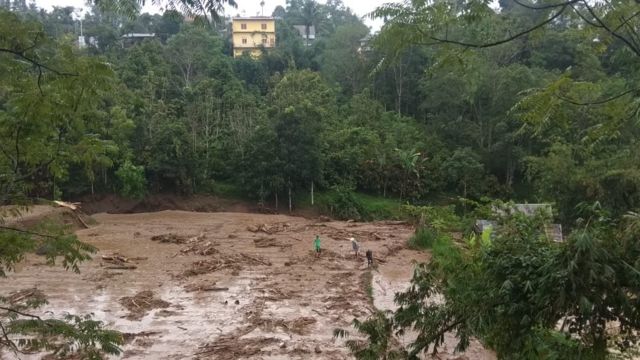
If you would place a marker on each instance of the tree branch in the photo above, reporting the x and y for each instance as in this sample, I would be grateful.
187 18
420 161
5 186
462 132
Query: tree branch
9 228
584 18
503 41
8 341
36 63
22 313
626 21
545 7
597 102
635 49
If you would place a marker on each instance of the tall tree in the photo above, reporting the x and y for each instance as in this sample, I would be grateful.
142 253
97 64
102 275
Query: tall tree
47 93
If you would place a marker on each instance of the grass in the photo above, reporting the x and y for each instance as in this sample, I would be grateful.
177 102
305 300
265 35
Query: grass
379 207
424 238
369 207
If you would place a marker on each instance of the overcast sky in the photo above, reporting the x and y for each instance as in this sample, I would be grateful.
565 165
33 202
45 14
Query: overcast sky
245 7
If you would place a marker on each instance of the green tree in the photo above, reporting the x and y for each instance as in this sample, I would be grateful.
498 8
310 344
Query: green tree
46 95
132 180
554 300
302 106
463 169
342 63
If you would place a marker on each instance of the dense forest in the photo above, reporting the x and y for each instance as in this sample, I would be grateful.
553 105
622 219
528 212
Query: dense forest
452 102
381 115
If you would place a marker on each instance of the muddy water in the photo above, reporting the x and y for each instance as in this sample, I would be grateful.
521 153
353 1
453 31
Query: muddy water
393 277
273 299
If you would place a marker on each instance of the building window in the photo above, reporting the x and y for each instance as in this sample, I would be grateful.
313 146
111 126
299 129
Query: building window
273 41
244 40
264 26
264 41
243 26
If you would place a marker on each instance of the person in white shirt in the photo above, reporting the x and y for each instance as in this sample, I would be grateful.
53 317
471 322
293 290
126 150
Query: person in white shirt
355 246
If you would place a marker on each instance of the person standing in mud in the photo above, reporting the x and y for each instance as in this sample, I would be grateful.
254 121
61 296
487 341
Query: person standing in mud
355 246
369 257
316 245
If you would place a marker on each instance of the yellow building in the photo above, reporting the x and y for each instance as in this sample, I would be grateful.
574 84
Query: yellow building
253 34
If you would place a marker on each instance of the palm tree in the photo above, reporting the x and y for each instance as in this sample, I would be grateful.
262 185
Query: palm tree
310 16
409 162
209 9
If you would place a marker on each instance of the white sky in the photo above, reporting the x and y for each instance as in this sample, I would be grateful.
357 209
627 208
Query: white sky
245 7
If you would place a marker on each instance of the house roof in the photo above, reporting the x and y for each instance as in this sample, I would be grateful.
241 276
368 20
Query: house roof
138 35
528 209
253 18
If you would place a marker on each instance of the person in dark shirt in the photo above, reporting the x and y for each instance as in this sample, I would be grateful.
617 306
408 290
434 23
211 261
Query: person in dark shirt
369 258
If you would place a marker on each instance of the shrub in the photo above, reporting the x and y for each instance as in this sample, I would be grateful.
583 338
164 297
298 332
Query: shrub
441 218
423 238
343 204
133 183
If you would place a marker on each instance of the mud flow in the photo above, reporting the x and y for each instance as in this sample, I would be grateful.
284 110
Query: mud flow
187 285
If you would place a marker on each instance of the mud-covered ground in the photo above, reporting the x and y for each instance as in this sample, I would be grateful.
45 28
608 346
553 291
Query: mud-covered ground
227 285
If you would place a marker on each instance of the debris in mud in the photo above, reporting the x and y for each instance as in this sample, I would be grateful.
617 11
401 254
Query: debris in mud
170 238
102 276
129 337
393 249
231 347
360 235
269 228
139 304
221 262
30 296
264 242
119 262
121 267
345 300
276 294
341 280
205 249
166 313
204 287
301 325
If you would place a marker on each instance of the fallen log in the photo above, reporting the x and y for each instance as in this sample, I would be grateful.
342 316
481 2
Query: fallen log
214 289
72 206
122 267
263 262
116 258
380 260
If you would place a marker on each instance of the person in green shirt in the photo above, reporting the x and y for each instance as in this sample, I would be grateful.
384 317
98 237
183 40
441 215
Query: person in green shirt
316 245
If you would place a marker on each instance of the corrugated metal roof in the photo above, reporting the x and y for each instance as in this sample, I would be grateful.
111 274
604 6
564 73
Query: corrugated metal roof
138 35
